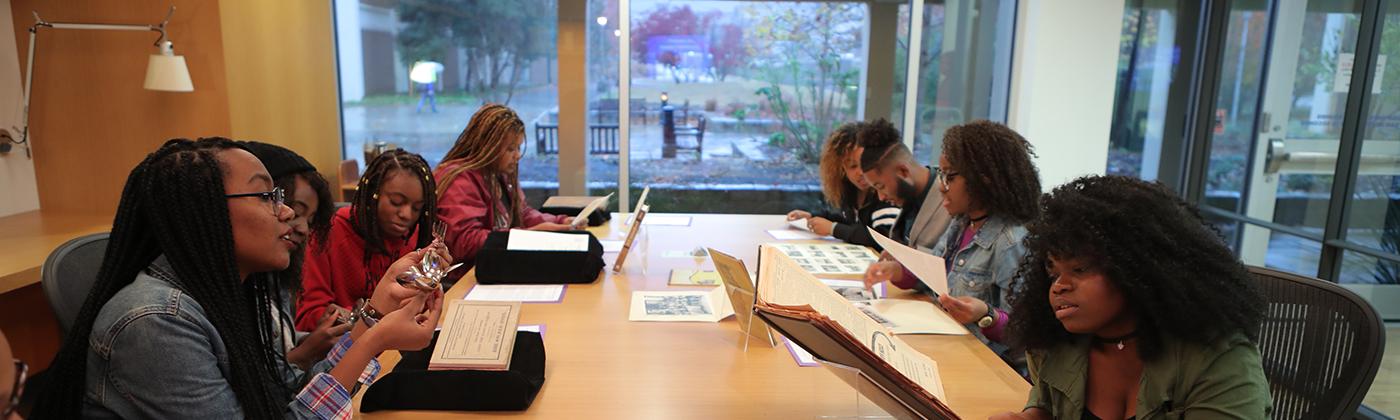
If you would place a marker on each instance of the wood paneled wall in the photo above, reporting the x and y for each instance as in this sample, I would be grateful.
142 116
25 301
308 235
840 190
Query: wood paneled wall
90 119
280 61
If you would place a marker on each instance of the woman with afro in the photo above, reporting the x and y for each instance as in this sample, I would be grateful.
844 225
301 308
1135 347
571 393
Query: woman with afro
1132 307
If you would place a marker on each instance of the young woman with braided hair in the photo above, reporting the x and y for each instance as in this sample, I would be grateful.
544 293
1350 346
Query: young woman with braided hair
479 186
392 214
176 325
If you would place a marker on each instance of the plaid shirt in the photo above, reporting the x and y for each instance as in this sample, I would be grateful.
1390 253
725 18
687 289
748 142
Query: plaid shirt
323 397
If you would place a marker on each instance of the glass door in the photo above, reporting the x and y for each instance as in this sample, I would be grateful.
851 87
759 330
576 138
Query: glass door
1283 178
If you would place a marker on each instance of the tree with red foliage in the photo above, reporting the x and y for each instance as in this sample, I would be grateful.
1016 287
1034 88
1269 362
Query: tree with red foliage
668 20
728 51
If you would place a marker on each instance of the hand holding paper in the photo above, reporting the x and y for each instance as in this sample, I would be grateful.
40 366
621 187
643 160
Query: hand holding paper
928 268
581 221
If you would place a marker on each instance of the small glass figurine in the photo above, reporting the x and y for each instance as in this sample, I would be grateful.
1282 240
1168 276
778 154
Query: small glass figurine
428 273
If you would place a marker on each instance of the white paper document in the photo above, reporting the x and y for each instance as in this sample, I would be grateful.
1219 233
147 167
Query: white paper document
800 224
800 355
535 328
904 316
581 221
793 235
654 219
927 267
529 240
528 293
612 245
680 306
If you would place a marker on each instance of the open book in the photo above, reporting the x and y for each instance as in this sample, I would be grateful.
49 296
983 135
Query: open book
821 321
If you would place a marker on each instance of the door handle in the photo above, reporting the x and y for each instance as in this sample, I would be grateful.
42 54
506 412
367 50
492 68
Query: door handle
1274 156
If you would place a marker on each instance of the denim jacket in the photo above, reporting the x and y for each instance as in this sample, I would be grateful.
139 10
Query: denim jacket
154 354
985 270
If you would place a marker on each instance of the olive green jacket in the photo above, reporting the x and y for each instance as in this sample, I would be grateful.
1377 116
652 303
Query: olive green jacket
1221 380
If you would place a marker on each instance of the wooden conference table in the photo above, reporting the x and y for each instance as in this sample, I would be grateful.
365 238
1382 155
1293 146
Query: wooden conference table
599 365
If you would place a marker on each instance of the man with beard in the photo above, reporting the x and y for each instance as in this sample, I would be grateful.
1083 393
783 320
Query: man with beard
900 180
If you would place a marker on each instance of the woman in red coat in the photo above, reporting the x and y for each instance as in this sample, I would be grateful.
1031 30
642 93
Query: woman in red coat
478 186
391 216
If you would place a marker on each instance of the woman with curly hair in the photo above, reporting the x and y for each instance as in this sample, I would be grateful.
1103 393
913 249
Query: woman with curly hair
845 188
990 187
1132 307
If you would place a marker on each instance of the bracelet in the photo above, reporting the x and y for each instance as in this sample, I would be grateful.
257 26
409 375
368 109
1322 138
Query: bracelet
365 312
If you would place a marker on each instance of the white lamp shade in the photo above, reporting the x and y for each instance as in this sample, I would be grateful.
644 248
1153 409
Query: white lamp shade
167 72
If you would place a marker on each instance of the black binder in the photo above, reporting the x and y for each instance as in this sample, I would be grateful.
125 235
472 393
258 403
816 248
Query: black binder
411 386
497 265
831 344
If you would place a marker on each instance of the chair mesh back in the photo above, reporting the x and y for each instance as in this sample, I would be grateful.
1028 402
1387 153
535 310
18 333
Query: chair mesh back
1321 345
68 275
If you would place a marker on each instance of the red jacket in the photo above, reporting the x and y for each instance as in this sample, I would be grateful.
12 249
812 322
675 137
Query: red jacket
337 273
463 208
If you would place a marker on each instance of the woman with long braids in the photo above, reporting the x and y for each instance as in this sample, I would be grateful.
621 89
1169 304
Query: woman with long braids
176 325
392 214
479 186
1133 307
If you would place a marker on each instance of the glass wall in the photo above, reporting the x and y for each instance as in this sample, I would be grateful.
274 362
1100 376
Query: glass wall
734 99
1299 170
1374 210
1147 62
964 68
413 72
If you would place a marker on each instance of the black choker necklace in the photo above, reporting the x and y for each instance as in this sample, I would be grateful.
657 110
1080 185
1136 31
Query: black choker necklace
978 219
1116 341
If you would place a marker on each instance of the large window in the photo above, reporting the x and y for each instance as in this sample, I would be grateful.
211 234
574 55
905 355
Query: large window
412 72
737 97
964 68
751 88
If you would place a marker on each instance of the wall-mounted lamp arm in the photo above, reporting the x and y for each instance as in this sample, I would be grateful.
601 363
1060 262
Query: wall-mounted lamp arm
39 22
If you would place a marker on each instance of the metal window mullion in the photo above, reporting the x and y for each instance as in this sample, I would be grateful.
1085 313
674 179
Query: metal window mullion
1256 123
911 76
1205 84
1291 230
1361 249
1171 168
624 97
1353 130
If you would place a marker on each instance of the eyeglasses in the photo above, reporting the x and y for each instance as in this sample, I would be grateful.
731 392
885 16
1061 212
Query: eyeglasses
21 374
275 198
945 177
